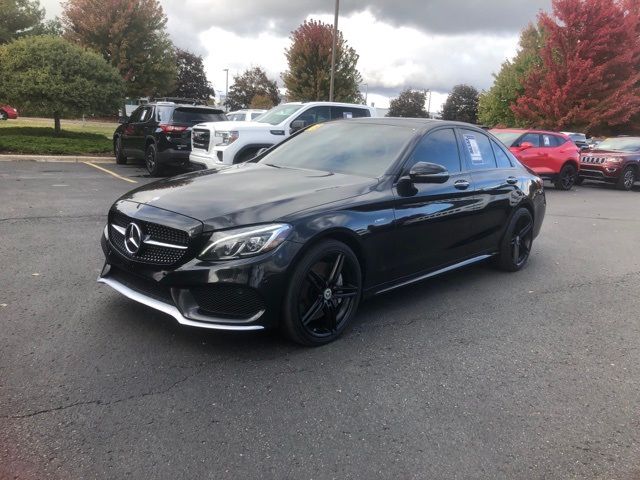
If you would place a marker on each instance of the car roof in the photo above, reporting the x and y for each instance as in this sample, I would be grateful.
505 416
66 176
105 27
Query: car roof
528 130
334 104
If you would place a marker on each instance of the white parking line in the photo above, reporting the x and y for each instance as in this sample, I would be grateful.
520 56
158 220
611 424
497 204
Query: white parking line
110 172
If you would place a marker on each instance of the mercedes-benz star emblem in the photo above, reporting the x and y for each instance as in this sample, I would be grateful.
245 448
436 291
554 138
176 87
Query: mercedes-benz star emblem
132 238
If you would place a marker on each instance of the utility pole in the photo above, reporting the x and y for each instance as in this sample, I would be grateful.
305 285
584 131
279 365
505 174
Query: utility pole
366 92
333 51
226 90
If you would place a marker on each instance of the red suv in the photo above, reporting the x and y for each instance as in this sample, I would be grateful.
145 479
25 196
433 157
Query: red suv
551 155
615 160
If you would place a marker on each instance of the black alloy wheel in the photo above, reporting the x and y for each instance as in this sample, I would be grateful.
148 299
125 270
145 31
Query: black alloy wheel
516 244
117 150
566 178
151 160
323 294
627 179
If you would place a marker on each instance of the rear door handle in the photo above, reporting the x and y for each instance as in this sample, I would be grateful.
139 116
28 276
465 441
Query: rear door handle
512 180
461 184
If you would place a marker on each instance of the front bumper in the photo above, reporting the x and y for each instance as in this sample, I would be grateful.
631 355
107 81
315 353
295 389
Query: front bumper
241 295
603 172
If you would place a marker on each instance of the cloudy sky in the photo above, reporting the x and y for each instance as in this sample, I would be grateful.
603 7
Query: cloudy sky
425 44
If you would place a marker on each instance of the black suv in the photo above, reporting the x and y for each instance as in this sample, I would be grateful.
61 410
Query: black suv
160 132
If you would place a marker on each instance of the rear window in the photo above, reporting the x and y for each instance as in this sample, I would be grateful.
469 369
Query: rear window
236 117
197 115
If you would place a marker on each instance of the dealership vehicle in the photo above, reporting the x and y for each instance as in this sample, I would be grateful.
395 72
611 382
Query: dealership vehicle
7 112
160 133
296 237
551 155
614 160
245 115
227 143
580 139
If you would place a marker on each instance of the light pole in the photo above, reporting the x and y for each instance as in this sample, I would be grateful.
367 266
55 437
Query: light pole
366 92
333 50
226 89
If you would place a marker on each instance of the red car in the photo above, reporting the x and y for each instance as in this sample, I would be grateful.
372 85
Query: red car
551 155
8 112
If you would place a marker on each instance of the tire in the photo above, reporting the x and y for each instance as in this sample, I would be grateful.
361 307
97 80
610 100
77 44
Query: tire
117 151
579 181
323 294
515 246
3 115
626 179
566 178
151 160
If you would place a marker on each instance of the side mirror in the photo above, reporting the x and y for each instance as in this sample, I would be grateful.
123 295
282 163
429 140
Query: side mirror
526 145
297 125
123 119
425 172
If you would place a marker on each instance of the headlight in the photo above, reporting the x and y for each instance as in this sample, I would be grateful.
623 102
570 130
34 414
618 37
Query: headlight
613 160
244 242
227 138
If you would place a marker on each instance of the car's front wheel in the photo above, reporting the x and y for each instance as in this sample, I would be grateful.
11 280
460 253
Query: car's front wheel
323 294
566 178
151 161
3 115
627 179
517 241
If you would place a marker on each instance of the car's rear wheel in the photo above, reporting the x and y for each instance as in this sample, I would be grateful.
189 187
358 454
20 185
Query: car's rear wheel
566 178
3 115
151 160
627 179
516 244
323 294
117 150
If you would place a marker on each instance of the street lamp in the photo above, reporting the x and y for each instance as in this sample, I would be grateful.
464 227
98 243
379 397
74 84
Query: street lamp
226 90
366 92
333 51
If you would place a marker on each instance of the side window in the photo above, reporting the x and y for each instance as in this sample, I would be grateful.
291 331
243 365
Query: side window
502 159
559 140
478 150
349 112
147 113
255 115
163 114
549 141
439 147
135 116
315 115
533 138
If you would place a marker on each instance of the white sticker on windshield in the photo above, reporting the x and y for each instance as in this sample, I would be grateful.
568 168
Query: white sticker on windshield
347 114
474 150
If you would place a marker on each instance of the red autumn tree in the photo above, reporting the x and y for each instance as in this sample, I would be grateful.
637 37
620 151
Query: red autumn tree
588 79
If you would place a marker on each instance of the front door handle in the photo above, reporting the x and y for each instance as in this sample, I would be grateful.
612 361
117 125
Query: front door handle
512 180
461 184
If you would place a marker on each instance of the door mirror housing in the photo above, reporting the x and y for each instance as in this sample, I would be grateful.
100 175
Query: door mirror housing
297 125
526 145
425 172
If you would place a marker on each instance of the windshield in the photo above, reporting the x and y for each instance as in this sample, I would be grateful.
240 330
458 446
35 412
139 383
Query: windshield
508 138
278 114
191 116
343 147
578 137
624 144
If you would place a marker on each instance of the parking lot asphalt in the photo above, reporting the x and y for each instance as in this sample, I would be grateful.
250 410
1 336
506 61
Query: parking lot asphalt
476 374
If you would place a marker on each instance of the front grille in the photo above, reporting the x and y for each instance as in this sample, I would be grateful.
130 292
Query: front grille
228 301
141 285
153 254
593 160
201 138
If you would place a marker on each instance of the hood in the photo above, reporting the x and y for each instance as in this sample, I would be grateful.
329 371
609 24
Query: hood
596 152
239 125
247 194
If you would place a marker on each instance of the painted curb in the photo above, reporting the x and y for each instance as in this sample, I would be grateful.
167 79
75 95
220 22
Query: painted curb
54 158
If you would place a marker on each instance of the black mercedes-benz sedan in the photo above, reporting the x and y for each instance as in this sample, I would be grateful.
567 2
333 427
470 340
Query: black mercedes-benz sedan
299 235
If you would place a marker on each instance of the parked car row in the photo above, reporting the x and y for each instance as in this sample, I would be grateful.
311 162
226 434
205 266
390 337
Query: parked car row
567 159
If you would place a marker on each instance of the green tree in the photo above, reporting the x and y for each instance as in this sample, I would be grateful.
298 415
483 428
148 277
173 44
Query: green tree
251 84
494 106
18 18
309 58
131 35
50 76
410 103
192 80
461 105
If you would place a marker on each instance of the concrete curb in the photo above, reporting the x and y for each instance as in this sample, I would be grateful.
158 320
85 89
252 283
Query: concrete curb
54 158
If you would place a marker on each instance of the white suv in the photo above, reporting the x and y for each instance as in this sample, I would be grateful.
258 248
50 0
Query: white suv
225 143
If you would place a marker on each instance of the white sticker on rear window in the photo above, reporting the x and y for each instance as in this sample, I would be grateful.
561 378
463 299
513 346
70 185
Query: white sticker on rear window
546 140
347 114
474 151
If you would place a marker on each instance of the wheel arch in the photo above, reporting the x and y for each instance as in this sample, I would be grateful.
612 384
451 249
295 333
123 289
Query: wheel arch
573 162
251 146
